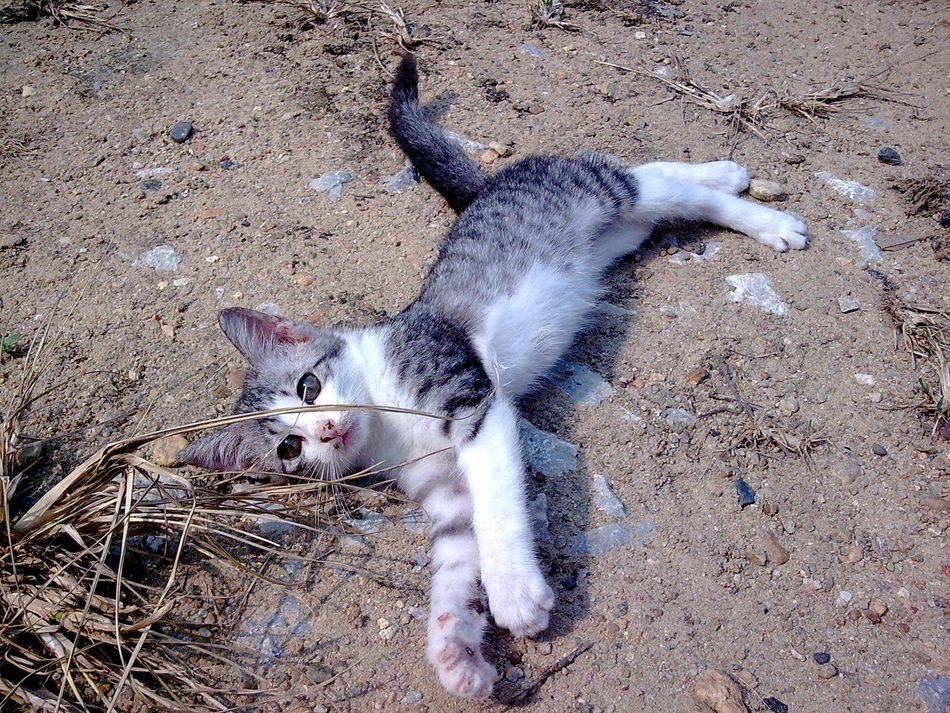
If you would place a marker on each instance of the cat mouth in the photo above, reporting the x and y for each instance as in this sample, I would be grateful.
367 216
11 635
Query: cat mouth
339 440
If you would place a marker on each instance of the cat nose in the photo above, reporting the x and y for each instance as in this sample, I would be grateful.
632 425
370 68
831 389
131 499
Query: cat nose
328 431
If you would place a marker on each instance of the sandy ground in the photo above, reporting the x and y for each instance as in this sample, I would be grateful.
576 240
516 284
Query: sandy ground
845 550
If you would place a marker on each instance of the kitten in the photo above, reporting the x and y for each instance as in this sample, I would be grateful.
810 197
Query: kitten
514 283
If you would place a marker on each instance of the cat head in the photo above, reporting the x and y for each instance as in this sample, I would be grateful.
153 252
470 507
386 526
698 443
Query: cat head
290 364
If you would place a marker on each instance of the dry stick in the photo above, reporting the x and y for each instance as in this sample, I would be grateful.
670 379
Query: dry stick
727 375
535 683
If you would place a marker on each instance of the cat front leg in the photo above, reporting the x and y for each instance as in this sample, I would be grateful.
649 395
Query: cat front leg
518 595
455 628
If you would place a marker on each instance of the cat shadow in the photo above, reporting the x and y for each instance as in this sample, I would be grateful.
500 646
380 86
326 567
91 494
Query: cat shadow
570 513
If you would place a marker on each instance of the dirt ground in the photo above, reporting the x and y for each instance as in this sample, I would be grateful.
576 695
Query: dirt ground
851 482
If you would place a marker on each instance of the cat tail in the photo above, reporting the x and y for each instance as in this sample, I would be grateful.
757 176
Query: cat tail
440 160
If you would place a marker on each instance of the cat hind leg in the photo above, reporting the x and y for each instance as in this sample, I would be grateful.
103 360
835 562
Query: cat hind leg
662 197
726 176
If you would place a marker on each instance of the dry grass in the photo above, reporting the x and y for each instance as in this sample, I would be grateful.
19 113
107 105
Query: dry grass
750 114
319 10
925 334
928 194
77 630
65 12
550 13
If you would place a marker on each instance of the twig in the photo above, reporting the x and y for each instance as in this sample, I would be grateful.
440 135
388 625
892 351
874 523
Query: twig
535 683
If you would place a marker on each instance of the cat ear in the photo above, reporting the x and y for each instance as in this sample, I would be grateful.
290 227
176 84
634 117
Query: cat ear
219 450
256 334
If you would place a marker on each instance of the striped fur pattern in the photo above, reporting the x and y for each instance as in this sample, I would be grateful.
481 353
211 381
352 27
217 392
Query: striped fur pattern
514 282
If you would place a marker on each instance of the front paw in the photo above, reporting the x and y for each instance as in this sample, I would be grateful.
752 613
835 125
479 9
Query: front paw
521 603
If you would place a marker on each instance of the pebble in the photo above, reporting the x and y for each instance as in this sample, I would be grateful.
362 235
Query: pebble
503 150
514 673
488 156
775 550
757 557
935 503
847 303
181 132
304 280
844 598
411 698
697 376
829 670
151 184
236 378
745 492
878 449
353 611
889 155
769 509
716 690
606 499
774 705
788 406
877 607
764 190
165 450
27 91
822 657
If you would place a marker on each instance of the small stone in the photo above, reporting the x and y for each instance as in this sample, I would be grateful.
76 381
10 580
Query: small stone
788 406
503 150
545 648
27 91
844 598
878 449
488 156
168 330
935 503
745 492
514 673
757 557
934 692
716 690
878 607
236 378
151 184
865 379
794 159
767 191
181 132
382 623
875 397
889 155
829 670
769 509
847 303
353 611
774 705
697 376
535 108
822 657
777 553
872 616
855 554
165 450
304 280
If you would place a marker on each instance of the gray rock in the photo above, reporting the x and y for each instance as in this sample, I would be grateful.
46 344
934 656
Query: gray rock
368 522
606 499
934 691
161 258
332 183
581 384
765 190
600 540
181 132
847 303
546 453
745 492
889 155
404 179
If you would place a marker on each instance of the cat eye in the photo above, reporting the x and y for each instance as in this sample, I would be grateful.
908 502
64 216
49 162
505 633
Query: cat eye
308 388
290 448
